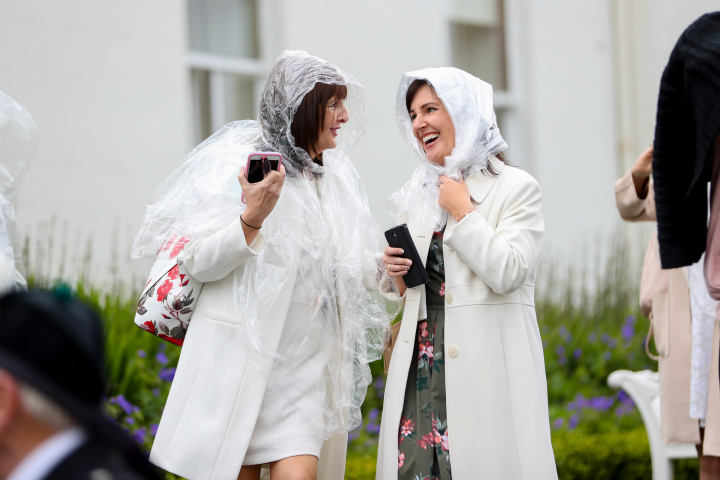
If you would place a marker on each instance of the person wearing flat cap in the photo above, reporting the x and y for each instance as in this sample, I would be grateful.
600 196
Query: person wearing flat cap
52 426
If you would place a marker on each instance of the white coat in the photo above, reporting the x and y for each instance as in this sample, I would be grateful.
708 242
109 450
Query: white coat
216 395
497 410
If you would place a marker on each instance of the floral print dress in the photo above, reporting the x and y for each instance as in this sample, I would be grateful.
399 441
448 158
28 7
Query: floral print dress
423 450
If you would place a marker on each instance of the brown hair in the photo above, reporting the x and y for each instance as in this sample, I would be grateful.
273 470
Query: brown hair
310 116
415 86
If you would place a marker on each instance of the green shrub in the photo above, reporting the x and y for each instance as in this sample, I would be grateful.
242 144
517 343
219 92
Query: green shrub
597 433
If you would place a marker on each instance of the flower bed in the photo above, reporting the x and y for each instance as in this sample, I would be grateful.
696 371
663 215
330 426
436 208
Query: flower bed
597 432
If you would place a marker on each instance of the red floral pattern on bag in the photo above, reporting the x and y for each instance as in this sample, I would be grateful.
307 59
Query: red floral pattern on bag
179 246
164 289
170 314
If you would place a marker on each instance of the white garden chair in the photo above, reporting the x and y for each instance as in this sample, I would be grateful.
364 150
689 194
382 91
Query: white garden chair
643 387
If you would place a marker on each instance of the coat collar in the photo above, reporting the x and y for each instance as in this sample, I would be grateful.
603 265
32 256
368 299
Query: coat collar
481 182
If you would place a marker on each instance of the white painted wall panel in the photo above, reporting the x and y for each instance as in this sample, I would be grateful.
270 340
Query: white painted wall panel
106 83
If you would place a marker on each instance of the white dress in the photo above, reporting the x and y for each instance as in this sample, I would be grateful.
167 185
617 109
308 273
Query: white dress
702 308
291 416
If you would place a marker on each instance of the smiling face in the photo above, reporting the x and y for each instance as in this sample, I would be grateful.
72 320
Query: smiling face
335 115
431 124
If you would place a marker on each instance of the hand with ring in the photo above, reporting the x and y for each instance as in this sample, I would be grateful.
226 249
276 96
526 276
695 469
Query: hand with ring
396 266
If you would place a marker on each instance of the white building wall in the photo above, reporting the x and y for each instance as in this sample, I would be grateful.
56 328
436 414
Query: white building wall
571 124
376 41
105 82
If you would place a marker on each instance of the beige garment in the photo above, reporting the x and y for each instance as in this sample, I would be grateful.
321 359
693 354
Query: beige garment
497 412
712 251
665 297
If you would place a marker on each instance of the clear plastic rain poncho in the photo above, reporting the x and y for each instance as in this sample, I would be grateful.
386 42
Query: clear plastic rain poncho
18 141
321 234
469 101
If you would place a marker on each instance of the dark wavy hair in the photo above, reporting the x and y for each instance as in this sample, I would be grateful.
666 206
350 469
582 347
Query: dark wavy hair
310 116
410 95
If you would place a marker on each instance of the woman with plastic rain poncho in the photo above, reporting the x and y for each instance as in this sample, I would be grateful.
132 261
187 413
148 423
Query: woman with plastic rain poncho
274 366
466 394
18 141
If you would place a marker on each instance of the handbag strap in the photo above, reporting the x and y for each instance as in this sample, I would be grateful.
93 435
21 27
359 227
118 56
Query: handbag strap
651 331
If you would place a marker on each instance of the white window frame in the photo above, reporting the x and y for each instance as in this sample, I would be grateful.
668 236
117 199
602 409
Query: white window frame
218 65
510 101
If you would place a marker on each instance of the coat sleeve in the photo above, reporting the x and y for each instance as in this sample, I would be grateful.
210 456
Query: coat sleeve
212 258
503 257
631 207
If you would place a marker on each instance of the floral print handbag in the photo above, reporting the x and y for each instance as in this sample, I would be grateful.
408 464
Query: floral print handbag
168 300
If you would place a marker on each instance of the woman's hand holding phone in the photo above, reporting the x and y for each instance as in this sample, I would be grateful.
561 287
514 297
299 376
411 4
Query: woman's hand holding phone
396 266
260 198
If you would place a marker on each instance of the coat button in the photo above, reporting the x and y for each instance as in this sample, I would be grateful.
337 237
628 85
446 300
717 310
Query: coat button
453 351
448 297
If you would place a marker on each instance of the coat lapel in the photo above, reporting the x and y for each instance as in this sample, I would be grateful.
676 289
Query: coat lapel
421 236
480 183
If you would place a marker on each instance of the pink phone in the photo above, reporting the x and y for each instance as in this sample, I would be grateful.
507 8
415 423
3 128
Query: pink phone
259 165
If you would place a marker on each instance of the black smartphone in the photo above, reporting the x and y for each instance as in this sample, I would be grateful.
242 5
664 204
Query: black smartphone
259 164
399 237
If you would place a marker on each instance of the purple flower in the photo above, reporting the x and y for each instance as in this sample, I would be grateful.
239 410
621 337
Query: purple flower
562 330
627 332
568 338
607 356
153 429
139 435
581 401
558 423
124 404
622 410
625 399
379 383
162 358
577 353
156 392
604 337
162 347
630 320
129 420
592 337
373 415
370 427
601 404
167 374
141 353
571 406
562 359
612 343
560 350
573 421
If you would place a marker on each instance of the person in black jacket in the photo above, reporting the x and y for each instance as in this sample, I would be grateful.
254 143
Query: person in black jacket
52 384
688 122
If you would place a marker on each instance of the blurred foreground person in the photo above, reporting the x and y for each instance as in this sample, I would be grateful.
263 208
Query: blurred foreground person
682 316
466 393
52 425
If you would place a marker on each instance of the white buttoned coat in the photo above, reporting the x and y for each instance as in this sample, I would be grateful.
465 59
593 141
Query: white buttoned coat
497 410
217 392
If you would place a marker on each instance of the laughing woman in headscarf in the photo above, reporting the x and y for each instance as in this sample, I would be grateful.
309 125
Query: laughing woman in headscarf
274 365
466 393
